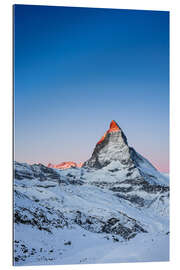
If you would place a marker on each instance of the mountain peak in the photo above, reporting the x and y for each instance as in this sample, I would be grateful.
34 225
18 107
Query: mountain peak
112 146
112 128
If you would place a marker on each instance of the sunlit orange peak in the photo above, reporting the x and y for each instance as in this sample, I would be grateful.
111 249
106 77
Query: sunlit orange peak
113 128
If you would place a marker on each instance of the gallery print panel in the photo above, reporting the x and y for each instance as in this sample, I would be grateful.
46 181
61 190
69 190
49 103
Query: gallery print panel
91 135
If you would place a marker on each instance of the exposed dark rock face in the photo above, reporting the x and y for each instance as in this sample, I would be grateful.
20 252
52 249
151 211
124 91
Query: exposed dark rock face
126 227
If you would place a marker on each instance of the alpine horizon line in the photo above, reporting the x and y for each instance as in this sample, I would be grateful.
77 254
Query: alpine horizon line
114 127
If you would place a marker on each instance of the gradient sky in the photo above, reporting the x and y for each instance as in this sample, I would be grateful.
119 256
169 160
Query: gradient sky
76 69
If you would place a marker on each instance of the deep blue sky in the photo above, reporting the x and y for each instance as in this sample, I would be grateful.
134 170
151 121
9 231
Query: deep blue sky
76 69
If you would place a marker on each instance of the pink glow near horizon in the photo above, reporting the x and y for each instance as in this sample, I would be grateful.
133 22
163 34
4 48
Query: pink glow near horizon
158 160
162 167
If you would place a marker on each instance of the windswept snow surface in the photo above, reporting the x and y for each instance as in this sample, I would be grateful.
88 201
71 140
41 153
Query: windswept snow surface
85 215
88 247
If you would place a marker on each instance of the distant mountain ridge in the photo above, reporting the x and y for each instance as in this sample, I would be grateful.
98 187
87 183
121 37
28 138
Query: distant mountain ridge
65 165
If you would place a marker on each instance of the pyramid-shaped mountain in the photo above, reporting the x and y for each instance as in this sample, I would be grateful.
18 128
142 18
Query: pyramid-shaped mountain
113 148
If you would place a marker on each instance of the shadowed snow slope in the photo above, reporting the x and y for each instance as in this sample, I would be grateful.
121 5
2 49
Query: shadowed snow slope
113 209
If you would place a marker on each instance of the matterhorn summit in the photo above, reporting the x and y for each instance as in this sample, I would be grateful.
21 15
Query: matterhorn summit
112 146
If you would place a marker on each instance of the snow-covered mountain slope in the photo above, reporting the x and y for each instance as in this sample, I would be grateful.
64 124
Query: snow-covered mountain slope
110 210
